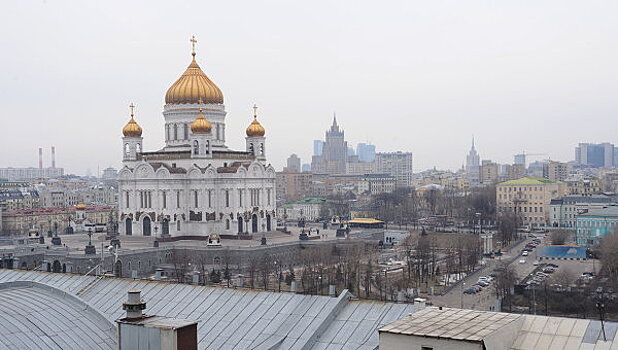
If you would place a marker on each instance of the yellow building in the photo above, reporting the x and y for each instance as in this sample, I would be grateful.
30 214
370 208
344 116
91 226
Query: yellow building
55 220
529 198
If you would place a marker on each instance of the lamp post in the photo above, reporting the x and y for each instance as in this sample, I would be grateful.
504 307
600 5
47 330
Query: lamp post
600 304
463 284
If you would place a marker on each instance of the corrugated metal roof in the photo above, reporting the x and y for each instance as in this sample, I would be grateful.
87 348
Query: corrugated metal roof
530 332
469 325
238 318
36 316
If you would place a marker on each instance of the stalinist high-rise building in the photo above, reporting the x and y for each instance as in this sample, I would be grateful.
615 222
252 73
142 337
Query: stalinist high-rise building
195 185
473 163
334 152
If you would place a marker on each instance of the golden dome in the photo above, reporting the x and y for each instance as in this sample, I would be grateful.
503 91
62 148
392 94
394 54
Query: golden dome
201 125
255 129
192 86
80 206
132 129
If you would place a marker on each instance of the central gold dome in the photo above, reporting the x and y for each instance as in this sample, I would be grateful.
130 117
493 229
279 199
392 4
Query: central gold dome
192 87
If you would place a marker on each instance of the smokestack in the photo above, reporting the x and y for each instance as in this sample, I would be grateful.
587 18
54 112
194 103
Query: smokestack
134 304
53 157
40 158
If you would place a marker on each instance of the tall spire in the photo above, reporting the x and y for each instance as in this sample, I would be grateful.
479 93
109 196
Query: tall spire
472 141
335 119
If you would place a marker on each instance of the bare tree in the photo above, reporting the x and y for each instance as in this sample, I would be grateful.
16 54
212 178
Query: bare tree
181 262
265 267
505 281
560 236
609 255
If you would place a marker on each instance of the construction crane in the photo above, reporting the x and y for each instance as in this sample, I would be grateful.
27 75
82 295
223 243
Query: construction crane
521 158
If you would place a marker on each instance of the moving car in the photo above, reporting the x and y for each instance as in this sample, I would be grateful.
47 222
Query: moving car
522 261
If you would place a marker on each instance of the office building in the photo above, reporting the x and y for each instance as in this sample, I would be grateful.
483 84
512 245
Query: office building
595 155
366 152
398 164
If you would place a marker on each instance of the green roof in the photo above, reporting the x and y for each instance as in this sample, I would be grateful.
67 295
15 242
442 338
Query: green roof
312 201
527 181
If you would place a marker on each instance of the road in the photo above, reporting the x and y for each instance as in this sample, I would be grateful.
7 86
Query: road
485 299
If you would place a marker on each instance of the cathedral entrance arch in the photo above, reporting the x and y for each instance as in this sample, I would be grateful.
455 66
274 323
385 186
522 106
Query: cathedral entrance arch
56 267
254 223
146 226
240 230
128 226
268 228
165 227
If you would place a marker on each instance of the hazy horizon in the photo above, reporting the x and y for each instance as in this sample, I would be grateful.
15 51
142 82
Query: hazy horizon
419 77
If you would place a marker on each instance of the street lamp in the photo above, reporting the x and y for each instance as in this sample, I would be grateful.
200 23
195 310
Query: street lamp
600 304
463 285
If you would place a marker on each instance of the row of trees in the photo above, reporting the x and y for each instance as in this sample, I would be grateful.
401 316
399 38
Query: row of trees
352 265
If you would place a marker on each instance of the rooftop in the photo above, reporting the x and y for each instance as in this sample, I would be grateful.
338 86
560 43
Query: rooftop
496 330
609 211
527 181
235 318
37 316
458 324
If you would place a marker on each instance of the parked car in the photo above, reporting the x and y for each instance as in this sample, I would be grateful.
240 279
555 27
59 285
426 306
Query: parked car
522 261
535 263
469 291
525 253
552 265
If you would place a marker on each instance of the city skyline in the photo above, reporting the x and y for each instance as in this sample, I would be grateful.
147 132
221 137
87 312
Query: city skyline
516 87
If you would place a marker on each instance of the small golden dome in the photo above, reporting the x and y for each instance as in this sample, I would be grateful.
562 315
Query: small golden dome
255 129
132 129
80 206
192 86
201 125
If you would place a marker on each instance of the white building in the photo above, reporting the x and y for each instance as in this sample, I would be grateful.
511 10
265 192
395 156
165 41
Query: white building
195 185
397 164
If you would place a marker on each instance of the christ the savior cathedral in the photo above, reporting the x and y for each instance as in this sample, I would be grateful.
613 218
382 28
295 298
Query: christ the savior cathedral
195 185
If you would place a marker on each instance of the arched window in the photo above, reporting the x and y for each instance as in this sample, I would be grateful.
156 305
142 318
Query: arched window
251 150
127 149
227 224
175 131
186 133
207 147
261 149
138 148
196 147
177 225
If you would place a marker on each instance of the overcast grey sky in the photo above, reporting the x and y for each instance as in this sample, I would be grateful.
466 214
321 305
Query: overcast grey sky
420 76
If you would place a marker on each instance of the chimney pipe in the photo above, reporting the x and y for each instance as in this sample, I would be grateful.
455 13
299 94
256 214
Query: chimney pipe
331 290
40 158
53 156
134 305
293 287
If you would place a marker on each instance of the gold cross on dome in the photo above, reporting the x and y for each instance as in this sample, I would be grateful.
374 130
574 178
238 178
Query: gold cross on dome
255 107
132 106
193 42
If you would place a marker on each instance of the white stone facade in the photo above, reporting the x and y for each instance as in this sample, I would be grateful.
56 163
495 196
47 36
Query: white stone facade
195 185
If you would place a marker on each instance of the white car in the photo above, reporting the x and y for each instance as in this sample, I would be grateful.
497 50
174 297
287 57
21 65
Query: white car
524 254
522 261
